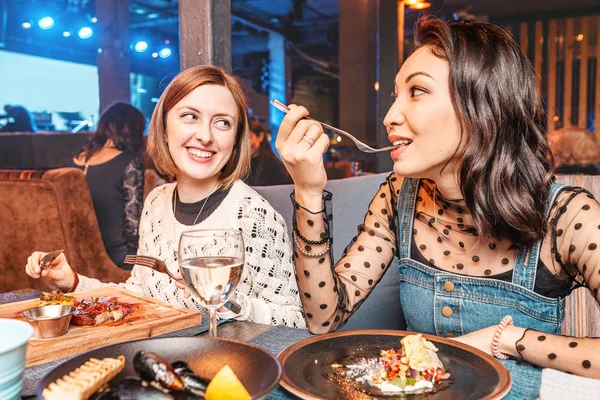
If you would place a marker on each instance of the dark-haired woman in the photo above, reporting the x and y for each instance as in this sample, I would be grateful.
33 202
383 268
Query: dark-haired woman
265 168
488 245
113 164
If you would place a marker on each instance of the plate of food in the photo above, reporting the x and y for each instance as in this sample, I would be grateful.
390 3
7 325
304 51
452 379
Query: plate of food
166 368
385 364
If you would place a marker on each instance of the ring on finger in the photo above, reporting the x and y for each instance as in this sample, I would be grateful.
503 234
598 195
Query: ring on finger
308 139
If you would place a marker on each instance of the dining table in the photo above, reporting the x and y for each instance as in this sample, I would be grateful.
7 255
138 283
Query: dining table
273 338
276 338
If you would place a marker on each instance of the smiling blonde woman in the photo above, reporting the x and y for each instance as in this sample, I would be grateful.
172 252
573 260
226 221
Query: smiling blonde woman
199 135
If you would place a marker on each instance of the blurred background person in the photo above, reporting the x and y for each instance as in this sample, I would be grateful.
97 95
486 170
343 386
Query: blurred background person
112 161
266 169
576 151
18 119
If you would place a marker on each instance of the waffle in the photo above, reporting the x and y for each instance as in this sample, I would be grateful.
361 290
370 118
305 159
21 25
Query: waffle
83 382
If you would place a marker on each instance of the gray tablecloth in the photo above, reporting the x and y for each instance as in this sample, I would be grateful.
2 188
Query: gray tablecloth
276 340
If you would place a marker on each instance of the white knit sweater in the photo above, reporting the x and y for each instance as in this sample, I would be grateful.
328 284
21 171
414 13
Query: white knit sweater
267 293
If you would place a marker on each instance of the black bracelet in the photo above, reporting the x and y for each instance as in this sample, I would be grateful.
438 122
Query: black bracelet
519 347
326 196
300 206
324 235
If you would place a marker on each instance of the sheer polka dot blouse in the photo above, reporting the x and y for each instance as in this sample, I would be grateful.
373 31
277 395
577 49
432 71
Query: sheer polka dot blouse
445 238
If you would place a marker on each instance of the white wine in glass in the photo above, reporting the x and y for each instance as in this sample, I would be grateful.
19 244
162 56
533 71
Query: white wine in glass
211 262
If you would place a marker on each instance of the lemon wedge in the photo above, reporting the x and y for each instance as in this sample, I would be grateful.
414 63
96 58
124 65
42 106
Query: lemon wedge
226 385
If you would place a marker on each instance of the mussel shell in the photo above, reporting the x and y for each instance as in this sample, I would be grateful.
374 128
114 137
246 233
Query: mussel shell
181 368
195 384
134 389
191 381
152 367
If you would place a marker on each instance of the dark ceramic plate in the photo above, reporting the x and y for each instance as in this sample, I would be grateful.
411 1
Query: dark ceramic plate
307 366
258 370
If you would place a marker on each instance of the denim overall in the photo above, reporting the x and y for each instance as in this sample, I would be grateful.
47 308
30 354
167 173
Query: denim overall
446 304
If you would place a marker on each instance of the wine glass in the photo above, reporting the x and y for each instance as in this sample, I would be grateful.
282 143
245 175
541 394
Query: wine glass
211 262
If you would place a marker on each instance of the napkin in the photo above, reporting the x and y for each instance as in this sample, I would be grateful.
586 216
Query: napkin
560 385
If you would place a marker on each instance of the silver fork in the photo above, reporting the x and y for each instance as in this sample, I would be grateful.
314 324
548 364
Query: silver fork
360 145
48 258
158 265
149 262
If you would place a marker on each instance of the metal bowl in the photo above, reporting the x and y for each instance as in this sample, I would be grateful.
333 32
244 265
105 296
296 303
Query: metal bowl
49 321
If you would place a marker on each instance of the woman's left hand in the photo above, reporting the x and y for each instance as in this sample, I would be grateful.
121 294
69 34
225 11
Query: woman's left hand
179 282
481 339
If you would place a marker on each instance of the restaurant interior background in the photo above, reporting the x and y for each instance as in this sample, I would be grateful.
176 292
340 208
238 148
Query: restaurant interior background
66 60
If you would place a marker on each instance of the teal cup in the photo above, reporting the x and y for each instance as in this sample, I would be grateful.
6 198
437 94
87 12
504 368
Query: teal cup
14 336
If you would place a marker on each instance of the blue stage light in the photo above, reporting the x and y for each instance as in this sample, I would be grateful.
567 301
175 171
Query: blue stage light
46 23
94 20
141 46
86 32
154 55
164 52
66 33
26 25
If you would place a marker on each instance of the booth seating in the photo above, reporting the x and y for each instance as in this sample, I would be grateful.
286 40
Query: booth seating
46 211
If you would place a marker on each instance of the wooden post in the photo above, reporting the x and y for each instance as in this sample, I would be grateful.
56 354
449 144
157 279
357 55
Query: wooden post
205 33
537 59
568 87
400 27
387 68
112 60
358 67
551 76
597 108
583 73
523 39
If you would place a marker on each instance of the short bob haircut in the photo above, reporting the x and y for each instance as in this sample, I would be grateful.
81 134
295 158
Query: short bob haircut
238 165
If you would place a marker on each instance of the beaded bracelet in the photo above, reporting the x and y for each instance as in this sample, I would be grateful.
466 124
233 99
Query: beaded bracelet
324 235
309 254
506 321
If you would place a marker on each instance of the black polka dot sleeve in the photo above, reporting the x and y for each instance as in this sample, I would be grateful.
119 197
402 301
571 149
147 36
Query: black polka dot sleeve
574 235
331 293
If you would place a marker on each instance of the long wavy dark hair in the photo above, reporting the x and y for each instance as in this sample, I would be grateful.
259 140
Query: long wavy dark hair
505 170
122 123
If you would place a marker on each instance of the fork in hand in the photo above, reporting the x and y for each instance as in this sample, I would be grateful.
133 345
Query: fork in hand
360 145
158 265
149 262
48 258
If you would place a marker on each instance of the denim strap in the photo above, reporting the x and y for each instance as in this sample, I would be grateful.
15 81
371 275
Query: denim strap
526 261
406 209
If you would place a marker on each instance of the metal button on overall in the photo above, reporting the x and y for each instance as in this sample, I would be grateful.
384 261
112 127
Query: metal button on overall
448 286
447 312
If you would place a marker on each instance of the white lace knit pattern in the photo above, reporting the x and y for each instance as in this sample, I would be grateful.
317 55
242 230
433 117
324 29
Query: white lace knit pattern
268 292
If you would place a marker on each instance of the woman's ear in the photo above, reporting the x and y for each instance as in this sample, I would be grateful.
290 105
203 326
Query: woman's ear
261 136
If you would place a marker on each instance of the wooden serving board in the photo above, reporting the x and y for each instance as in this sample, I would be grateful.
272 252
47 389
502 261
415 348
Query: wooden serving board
153 318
